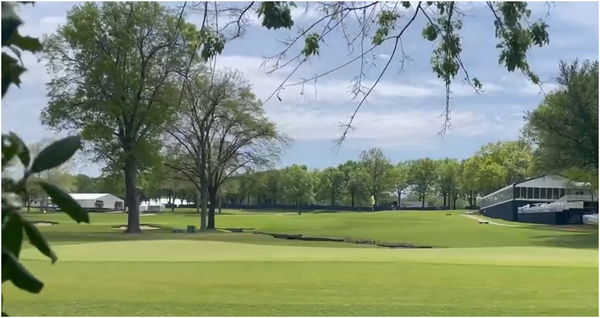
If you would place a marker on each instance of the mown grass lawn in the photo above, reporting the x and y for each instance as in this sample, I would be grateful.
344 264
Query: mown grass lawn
478 270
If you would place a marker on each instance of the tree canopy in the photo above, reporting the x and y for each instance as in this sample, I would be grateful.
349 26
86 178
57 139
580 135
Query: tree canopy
116 69
564 127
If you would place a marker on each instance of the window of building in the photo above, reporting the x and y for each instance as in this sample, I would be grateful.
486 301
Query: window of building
543 193
536 193
99 204
562 193
523 193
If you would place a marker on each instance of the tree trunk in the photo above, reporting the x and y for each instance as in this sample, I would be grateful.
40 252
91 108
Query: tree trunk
220 204
352 195
423 200
204 203
198 203
445 195
173 204
399 199
298 205
133 206
212 195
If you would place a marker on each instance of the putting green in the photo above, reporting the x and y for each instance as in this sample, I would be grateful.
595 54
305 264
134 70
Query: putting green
211 251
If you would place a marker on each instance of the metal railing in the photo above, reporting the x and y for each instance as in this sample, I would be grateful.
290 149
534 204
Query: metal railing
576 197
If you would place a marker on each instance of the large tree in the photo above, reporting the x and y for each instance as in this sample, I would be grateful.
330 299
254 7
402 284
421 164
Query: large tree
379 171
221 129
274 186
468 180
299 186
422 175
564 127
447 181
330 184
355 179
515 157
85 184
400 180
115 71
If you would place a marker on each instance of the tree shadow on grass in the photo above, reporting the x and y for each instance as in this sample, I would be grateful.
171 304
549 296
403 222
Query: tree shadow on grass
575 240
164 233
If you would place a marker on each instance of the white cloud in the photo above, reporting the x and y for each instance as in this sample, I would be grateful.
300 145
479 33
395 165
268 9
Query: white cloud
412 129
394 110
45 25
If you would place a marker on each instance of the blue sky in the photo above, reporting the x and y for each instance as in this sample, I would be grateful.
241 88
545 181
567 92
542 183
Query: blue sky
402 115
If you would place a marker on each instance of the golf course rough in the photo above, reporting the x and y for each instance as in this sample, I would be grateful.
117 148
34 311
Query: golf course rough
538 271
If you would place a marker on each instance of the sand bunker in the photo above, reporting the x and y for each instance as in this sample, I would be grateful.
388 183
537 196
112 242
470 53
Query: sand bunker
143 227
42 223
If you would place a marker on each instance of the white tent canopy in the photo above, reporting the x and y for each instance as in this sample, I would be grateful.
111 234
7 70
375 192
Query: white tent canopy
101 201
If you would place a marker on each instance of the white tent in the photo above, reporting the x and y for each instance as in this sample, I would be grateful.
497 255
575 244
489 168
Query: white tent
152 206
99 201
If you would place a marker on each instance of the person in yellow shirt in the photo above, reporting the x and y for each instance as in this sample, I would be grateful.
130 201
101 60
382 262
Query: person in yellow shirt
372 203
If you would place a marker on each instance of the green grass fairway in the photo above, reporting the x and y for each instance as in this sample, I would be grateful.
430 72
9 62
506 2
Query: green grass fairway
479 270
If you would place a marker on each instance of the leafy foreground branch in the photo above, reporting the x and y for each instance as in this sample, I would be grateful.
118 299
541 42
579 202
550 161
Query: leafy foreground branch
14 191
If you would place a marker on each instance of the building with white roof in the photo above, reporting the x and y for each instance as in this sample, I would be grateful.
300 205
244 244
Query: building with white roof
550 199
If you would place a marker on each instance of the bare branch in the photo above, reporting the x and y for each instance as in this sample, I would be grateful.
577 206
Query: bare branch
346 127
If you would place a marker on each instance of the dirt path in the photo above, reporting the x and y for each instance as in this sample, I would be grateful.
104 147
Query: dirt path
480 219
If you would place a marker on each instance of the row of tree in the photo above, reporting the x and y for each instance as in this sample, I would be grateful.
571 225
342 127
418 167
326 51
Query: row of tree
352 183
374 177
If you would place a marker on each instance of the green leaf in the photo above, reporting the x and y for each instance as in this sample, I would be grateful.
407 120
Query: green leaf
65 202
37 239
11 72
9 27
22 152
12 234
9 149
430 32
477 84
276 14
26 43
311 44
56 153
15 272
